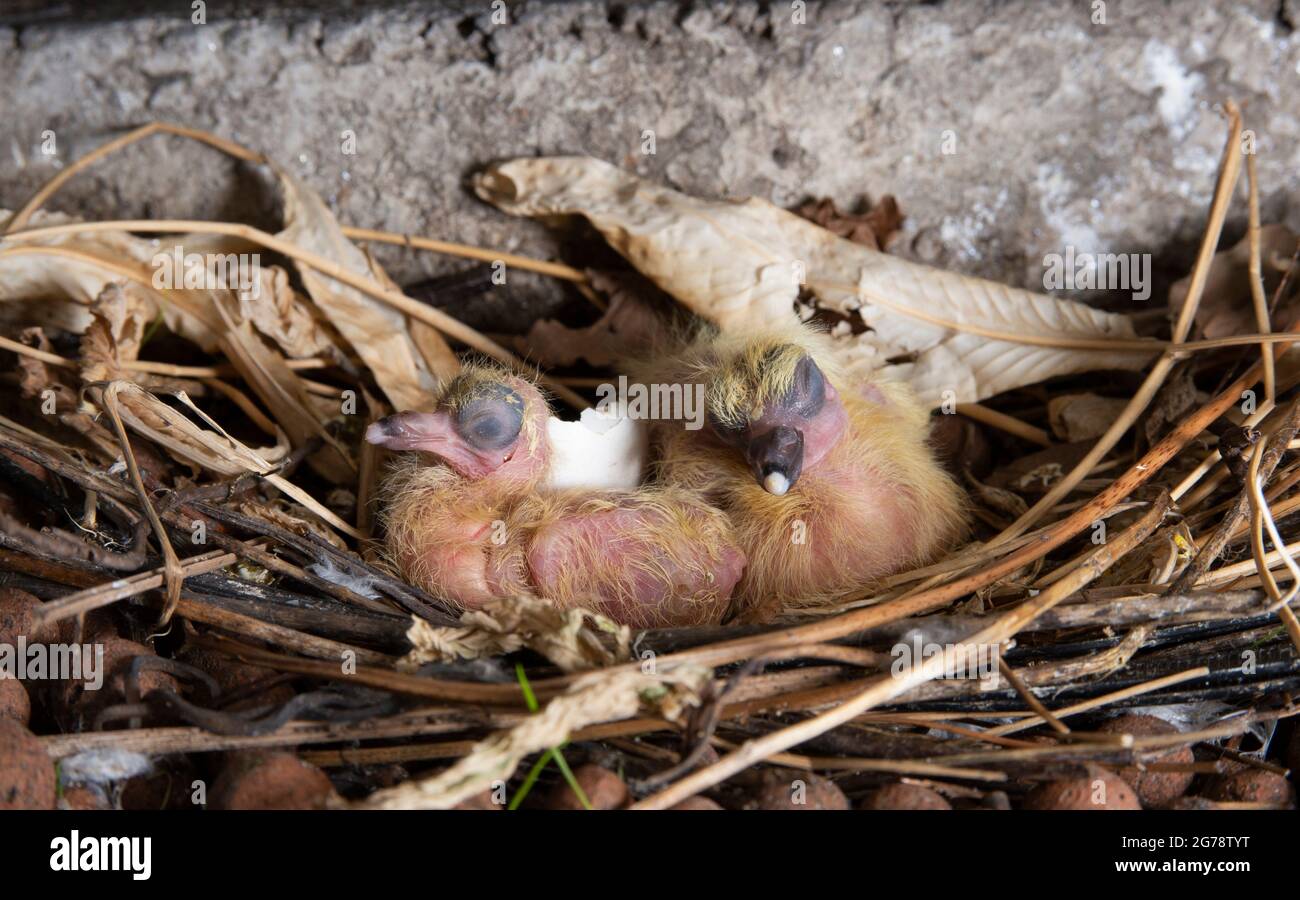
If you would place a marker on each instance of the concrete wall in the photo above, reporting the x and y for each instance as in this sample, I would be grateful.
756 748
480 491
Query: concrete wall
1101 136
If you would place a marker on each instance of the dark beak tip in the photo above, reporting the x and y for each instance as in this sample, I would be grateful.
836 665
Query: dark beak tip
777 459
382 429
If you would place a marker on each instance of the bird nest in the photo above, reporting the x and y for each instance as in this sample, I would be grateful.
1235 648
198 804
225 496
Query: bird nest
186 487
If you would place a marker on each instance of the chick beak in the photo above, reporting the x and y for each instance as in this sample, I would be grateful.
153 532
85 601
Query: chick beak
776 458
776 483
409 431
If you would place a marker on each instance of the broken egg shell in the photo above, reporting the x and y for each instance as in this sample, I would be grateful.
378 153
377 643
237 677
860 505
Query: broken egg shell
600 451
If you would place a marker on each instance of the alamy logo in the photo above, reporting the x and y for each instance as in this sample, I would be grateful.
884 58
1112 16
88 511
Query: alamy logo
963 661
179 270
633 400
53 662
102 854
1075 271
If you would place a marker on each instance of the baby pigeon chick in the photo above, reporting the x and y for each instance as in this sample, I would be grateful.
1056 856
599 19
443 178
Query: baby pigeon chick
469 517
830 485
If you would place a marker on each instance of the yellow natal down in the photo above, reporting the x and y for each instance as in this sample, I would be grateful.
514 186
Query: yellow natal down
829 485
467 517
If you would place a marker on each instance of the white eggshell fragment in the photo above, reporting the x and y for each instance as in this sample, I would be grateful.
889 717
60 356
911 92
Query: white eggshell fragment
600 451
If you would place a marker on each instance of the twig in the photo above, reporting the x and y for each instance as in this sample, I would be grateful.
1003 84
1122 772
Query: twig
1257 279
429 315
1265 462
881 690
106 594
1009 424
1229 169
1134 691
1028 696
173 573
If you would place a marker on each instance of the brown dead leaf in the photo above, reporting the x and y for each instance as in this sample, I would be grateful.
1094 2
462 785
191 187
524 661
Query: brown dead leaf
292 517
631 324
113 335
208 448
960 445
873 228
744 264
51 389
434 349
31 275
1226 308
1082 417
274 308
1036 473
1176 397
999 500
279 313
280 388
377 333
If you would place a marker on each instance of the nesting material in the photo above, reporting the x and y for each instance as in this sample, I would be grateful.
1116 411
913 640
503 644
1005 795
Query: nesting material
213 436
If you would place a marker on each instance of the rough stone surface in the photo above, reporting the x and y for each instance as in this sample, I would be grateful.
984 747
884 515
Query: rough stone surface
1100 136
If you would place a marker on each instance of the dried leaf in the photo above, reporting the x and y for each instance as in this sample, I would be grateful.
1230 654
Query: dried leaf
1036 473
744 263
31 276
290 517
1226 308
114 334
629 325
873 228
379 334
274 309
281 389
35 378
1082 417
573 639
434 349
214 449
1176 397
280 314
997 499
599 696
961 445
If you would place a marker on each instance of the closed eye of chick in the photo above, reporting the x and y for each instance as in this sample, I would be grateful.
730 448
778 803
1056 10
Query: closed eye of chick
830 485
468 516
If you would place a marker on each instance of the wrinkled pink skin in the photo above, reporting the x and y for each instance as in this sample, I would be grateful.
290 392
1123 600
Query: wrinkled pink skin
630 535
820 433
867 502
434 433
474 569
